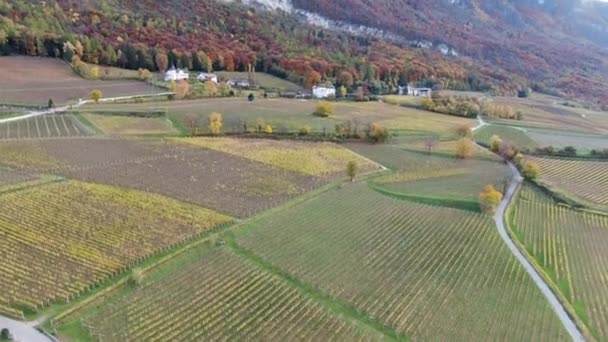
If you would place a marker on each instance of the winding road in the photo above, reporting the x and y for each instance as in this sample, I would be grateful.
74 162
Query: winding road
499 218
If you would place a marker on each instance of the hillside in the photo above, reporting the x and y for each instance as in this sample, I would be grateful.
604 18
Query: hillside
559 43
456 44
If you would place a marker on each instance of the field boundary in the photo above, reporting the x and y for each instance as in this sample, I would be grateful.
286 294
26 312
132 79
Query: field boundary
338 307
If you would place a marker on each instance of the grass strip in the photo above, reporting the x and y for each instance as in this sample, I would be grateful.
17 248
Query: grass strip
430 200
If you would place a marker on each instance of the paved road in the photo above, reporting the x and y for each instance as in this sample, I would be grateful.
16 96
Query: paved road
79 104
23 332
538 280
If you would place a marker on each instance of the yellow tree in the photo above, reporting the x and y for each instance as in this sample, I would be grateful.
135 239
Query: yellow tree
216 122
94 72
465 148
489 199
495 143
324 109
530 170
96 95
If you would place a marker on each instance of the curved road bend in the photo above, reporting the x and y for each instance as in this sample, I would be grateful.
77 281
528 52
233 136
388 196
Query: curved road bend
23 332
538 280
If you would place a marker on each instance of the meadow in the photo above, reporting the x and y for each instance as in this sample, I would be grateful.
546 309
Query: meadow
128 125
41 79
514 135
221 297
266 81
585 179
569 245
63 238
410 267
47 126
288 115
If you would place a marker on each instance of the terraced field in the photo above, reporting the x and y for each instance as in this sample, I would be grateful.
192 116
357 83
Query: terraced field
585 179
314 159
47 126
61 239
570 246
221 297
425 272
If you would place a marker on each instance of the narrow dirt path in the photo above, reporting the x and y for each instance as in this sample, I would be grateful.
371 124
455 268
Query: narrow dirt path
538 280
22 331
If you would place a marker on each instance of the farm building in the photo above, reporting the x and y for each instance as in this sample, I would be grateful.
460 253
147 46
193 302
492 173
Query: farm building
174 74
239 82
204 77
324 91
412 91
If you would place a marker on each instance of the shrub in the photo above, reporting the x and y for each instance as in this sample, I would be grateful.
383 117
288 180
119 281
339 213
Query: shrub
96 95
268 129
51 104
351 170
136 277
568 151
340 130
94 73
530 170
216 123
143 74
251 97
465 148
377 133
489 199
305 130
464 131
519 160
507 151
324 109
495 143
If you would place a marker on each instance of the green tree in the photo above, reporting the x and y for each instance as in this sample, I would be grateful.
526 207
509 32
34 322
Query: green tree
351 170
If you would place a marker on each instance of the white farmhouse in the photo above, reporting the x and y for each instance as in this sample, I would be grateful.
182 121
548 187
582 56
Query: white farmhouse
419 91
204 77
324 91
174 74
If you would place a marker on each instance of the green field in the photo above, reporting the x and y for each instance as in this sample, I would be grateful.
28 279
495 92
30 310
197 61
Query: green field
414 268
264 80
288 115
125 125
515 135
570 246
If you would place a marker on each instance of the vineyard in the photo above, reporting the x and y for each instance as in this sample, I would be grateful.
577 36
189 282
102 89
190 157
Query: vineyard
570 245
415 268
585 179
213 179
63 238
221 297
313 159
47 126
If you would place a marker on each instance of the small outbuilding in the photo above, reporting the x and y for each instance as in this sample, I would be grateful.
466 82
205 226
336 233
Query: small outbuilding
324 91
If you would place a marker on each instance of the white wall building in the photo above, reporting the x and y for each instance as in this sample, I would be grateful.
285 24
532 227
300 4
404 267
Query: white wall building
419 91
323 91
204 77
174 74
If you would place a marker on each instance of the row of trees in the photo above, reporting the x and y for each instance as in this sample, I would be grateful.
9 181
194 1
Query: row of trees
469 107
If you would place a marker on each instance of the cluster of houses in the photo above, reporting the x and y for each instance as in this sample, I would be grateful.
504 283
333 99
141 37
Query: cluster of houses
321 91
176 74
